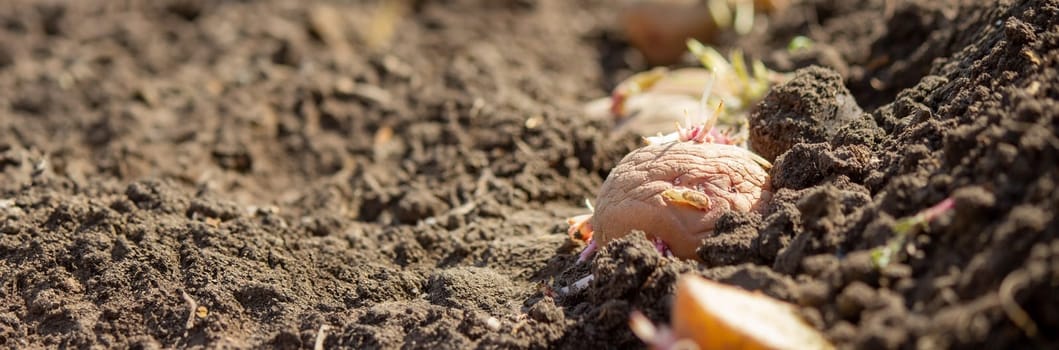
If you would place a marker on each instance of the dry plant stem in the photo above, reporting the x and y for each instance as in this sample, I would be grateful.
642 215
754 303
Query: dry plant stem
192 307
321 336
577 286
1014 311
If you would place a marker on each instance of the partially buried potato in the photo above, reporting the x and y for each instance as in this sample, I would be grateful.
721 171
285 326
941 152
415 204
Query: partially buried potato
676 192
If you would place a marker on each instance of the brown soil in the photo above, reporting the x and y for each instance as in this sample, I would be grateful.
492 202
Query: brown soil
269 162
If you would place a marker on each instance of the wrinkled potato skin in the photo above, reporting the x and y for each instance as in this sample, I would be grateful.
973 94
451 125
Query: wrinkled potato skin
631 196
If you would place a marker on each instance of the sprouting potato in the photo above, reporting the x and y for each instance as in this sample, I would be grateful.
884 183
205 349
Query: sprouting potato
676 192
658 28
650 102
675 189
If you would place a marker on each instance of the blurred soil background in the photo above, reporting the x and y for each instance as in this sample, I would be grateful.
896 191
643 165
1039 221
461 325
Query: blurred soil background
190 173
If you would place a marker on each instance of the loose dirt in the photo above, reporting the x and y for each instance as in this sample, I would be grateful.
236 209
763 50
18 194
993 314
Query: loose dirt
191 173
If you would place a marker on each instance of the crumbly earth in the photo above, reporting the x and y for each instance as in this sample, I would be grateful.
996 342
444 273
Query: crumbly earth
812 107
188 173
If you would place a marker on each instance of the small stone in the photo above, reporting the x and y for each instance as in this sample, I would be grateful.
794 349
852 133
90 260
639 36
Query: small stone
492 323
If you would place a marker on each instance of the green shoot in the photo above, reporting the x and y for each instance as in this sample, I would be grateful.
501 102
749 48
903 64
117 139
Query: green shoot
760 85
903 230
739 65
744 17
799 43
708 56
721 13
